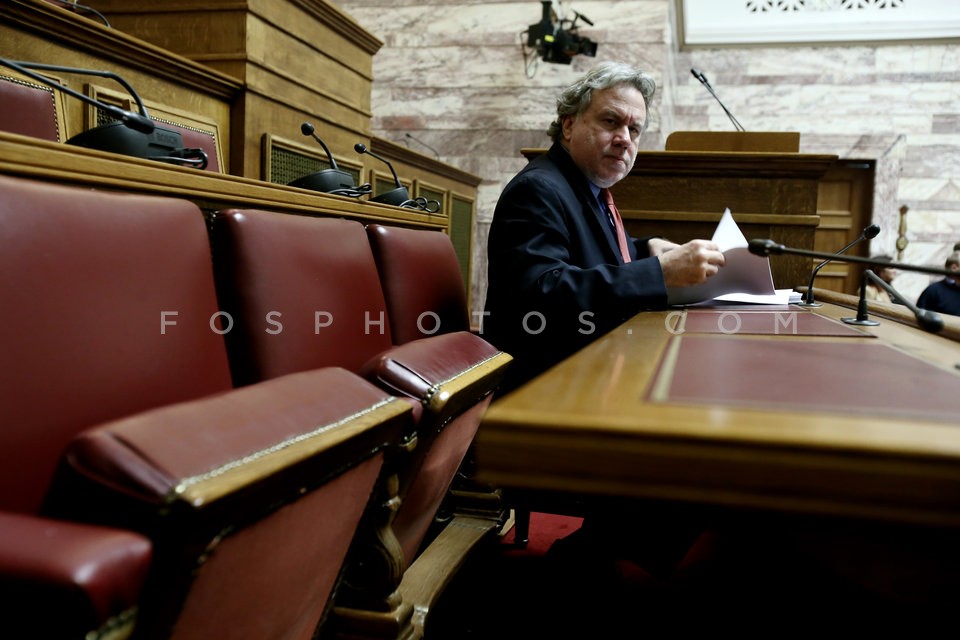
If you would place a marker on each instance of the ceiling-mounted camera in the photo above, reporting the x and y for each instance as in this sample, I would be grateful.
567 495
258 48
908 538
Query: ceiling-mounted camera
555 39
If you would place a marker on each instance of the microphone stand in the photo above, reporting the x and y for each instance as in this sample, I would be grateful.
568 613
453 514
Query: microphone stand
926 319
706 83
808 301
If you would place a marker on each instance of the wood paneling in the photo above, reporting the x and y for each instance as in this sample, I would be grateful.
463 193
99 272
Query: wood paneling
845 205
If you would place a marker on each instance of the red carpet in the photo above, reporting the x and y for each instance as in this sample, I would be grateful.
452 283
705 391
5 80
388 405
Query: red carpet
545 528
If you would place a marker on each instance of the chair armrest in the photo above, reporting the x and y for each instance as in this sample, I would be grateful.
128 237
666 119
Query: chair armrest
64 579
447 373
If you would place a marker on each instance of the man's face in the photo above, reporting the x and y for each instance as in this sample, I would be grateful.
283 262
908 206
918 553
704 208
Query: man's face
603 139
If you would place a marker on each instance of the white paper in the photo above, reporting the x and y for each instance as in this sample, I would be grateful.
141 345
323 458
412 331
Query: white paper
743 273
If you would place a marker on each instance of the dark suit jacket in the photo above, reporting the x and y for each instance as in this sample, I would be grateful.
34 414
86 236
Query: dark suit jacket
556 280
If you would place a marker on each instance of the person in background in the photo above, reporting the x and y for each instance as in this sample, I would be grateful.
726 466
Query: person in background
562 272
559 273
943 296
887 274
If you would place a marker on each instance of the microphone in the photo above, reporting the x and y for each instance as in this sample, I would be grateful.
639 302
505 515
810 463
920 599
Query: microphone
926 319
333 180
706 83
397 196
133 134
870 232
767 247
422 143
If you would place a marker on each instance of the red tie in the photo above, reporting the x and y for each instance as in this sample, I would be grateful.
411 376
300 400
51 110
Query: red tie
617 224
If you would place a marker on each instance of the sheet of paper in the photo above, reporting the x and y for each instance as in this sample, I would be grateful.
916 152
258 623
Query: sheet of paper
742 273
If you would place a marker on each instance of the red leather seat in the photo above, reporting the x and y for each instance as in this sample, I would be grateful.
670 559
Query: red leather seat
252 498
29 108
305 292
422 285
85 277
172 489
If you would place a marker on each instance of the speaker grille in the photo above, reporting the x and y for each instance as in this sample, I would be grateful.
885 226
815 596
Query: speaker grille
461 234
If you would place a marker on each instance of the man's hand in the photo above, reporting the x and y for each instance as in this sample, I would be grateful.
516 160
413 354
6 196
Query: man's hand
689 264
659 246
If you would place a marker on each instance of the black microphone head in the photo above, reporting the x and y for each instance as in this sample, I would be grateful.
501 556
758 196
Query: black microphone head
698 75
360 147
307 129
764 247
929 320
871 231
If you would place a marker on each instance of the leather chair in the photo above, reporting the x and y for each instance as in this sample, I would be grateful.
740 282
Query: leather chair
251 499
109 314
305 292
422 285
85 277
29 108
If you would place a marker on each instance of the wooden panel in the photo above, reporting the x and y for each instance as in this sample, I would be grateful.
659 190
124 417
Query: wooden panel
681 195
774 141
44 160
42 32
845 205
299 60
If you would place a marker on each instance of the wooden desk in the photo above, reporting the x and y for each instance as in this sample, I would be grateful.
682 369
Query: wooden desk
613 420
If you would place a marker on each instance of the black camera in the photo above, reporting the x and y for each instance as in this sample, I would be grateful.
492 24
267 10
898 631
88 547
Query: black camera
557 40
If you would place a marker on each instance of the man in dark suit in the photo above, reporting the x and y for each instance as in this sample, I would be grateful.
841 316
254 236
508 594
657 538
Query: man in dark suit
562 273
557 277
943 295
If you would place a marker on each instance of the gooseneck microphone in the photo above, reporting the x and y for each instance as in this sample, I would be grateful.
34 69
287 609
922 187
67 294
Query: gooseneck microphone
137 121
436 154
926 319
706 83
333 180
397 196
870 232
131 133
308 129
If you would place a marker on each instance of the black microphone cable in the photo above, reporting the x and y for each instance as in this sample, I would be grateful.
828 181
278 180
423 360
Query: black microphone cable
77 7
421 203
354 192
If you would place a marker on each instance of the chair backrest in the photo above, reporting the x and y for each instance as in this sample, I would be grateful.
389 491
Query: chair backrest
194 138
301 293
305 292
421 280
108 308
30 108
251 497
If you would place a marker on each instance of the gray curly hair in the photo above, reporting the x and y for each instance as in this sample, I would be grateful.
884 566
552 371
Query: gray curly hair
575 99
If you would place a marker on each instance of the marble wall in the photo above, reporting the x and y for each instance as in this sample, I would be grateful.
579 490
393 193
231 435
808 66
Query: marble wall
451 79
